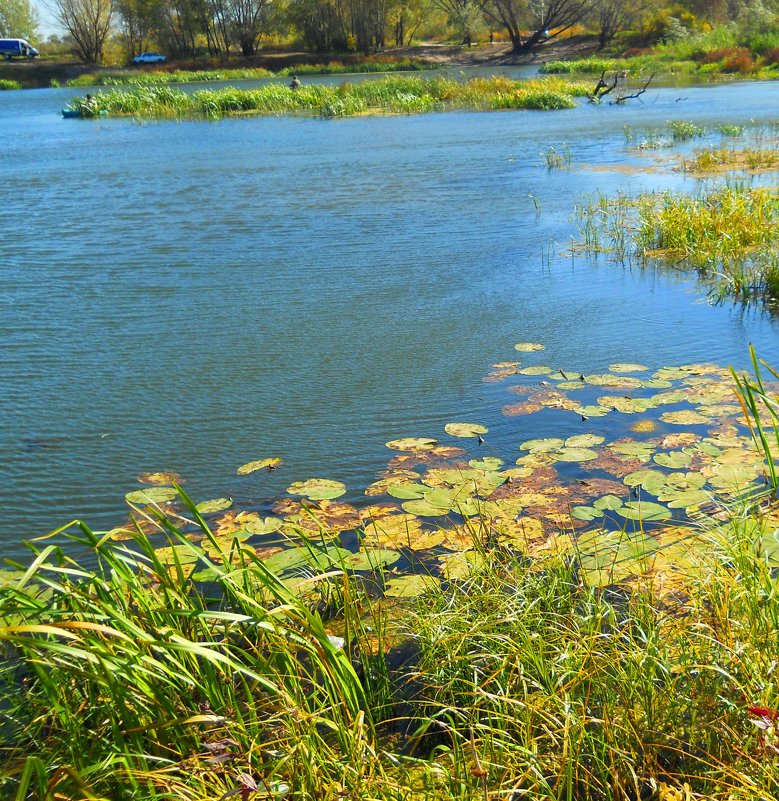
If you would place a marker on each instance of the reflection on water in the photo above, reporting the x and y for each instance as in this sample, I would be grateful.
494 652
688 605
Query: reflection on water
190 296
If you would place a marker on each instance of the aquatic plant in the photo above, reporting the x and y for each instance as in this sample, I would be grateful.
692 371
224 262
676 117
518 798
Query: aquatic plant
726 234
395 94
7 84
554 158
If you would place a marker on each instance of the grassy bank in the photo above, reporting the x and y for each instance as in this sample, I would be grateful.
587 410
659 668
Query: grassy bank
390 95
727 234
160 77
513 678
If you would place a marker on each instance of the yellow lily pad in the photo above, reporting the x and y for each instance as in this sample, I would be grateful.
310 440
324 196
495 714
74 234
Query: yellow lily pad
528 347
465 430
317 489
259 464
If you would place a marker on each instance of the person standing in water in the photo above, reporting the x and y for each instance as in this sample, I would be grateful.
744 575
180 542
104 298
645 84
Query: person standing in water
295 83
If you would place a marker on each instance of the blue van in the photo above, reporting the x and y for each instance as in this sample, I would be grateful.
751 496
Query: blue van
17 48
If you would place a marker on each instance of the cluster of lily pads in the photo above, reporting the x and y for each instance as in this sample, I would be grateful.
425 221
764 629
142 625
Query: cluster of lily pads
437 505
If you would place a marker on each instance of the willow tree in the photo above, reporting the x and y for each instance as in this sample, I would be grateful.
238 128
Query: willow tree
19 19
89 23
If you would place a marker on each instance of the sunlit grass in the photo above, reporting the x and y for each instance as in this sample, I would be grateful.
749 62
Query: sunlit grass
727 234
405 94
128 678
7 84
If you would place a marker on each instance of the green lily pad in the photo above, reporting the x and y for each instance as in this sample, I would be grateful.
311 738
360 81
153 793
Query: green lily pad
410 586
608 557
675 460
547 445
645 511
215 505
586 513
574 455
528 347
651 480
317 489
657 383
620 403
465 430
152 495
488 463
627 367
267 525
372 559
592 411
610 502
634 450
407 492
685 499
611 380
412 444
424 508
259 464
669 398
293 558
584 441
538 369
683 482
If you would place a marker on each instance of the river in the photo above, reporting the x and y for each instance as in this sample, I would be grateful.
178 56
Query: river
193 295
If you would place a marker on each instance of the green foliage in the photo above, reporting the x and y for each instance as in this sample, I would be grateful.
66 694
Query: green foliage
6 84
18 19
406 94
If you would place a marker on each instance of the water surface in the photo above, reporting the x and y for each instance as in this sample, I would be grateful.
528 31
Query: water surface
192 295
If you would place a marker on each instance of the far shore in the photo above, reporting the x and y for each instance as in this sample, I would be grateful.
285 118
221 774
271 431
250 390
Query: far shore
46 72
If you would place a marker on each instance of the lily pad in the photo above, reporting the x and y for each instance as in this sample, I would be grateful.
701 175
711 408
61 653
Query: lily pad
261 526
259 464
528 347
407 492
317 489
152 495
465 430
625 405
646 511
653 481
462 565
372 559
410 586
412 444
627 367
424 508
538 369
591 411
675 460
584 441
610 502
160 477
547 445
182 554
488 463
215 505
586 513
574 455
684 418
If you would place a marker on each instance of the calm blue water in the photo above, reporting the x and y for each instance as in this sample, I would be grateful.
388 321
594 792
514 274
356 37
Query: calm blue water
190 296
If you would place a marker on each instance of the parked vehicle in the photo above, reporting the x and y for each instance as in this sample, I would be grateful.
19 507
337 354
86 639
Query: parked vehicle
17 48
149 58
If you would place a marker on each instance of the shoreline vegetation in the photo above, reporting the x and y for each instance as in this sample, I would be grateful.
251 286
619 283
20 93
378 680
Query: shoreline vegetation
394 94
584 658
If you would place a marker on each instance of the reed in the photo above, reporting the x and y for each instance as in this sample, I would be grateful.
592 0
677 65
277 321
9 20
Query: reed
395 94
726 234
128 678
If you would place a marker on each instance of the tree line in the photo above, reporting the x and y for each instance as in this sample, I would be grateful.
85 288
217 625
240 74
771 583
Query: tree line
184 28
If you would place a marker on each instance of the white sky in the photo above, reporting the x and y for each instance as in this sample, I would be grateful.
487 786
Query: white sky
48 19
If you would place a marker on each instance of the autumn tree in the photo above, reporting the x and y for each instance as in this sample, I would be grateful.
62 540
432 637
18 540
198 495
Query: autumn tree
614 16
543 18
89 24
465 16
18 19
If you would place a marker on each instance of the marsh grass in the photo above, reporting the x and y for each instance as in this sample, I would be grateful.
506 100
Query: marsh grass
6 85
129 678
396 94
727 234
160 77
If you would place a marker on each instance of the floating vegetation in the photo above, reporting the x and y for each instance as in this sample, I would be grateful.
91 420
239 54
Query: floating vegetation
722 159
260 464
405 95
272 647
687 231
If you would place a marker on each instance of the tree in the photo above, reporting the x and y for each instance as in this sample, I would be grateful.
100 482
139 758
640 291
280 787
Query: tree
18 19
245 19
614 16
89 23
544 18
463 15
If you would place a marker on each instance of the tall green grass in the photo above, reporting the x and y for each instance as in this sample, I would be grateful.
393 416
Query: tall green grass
128 678
727 234
5 85
396 94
